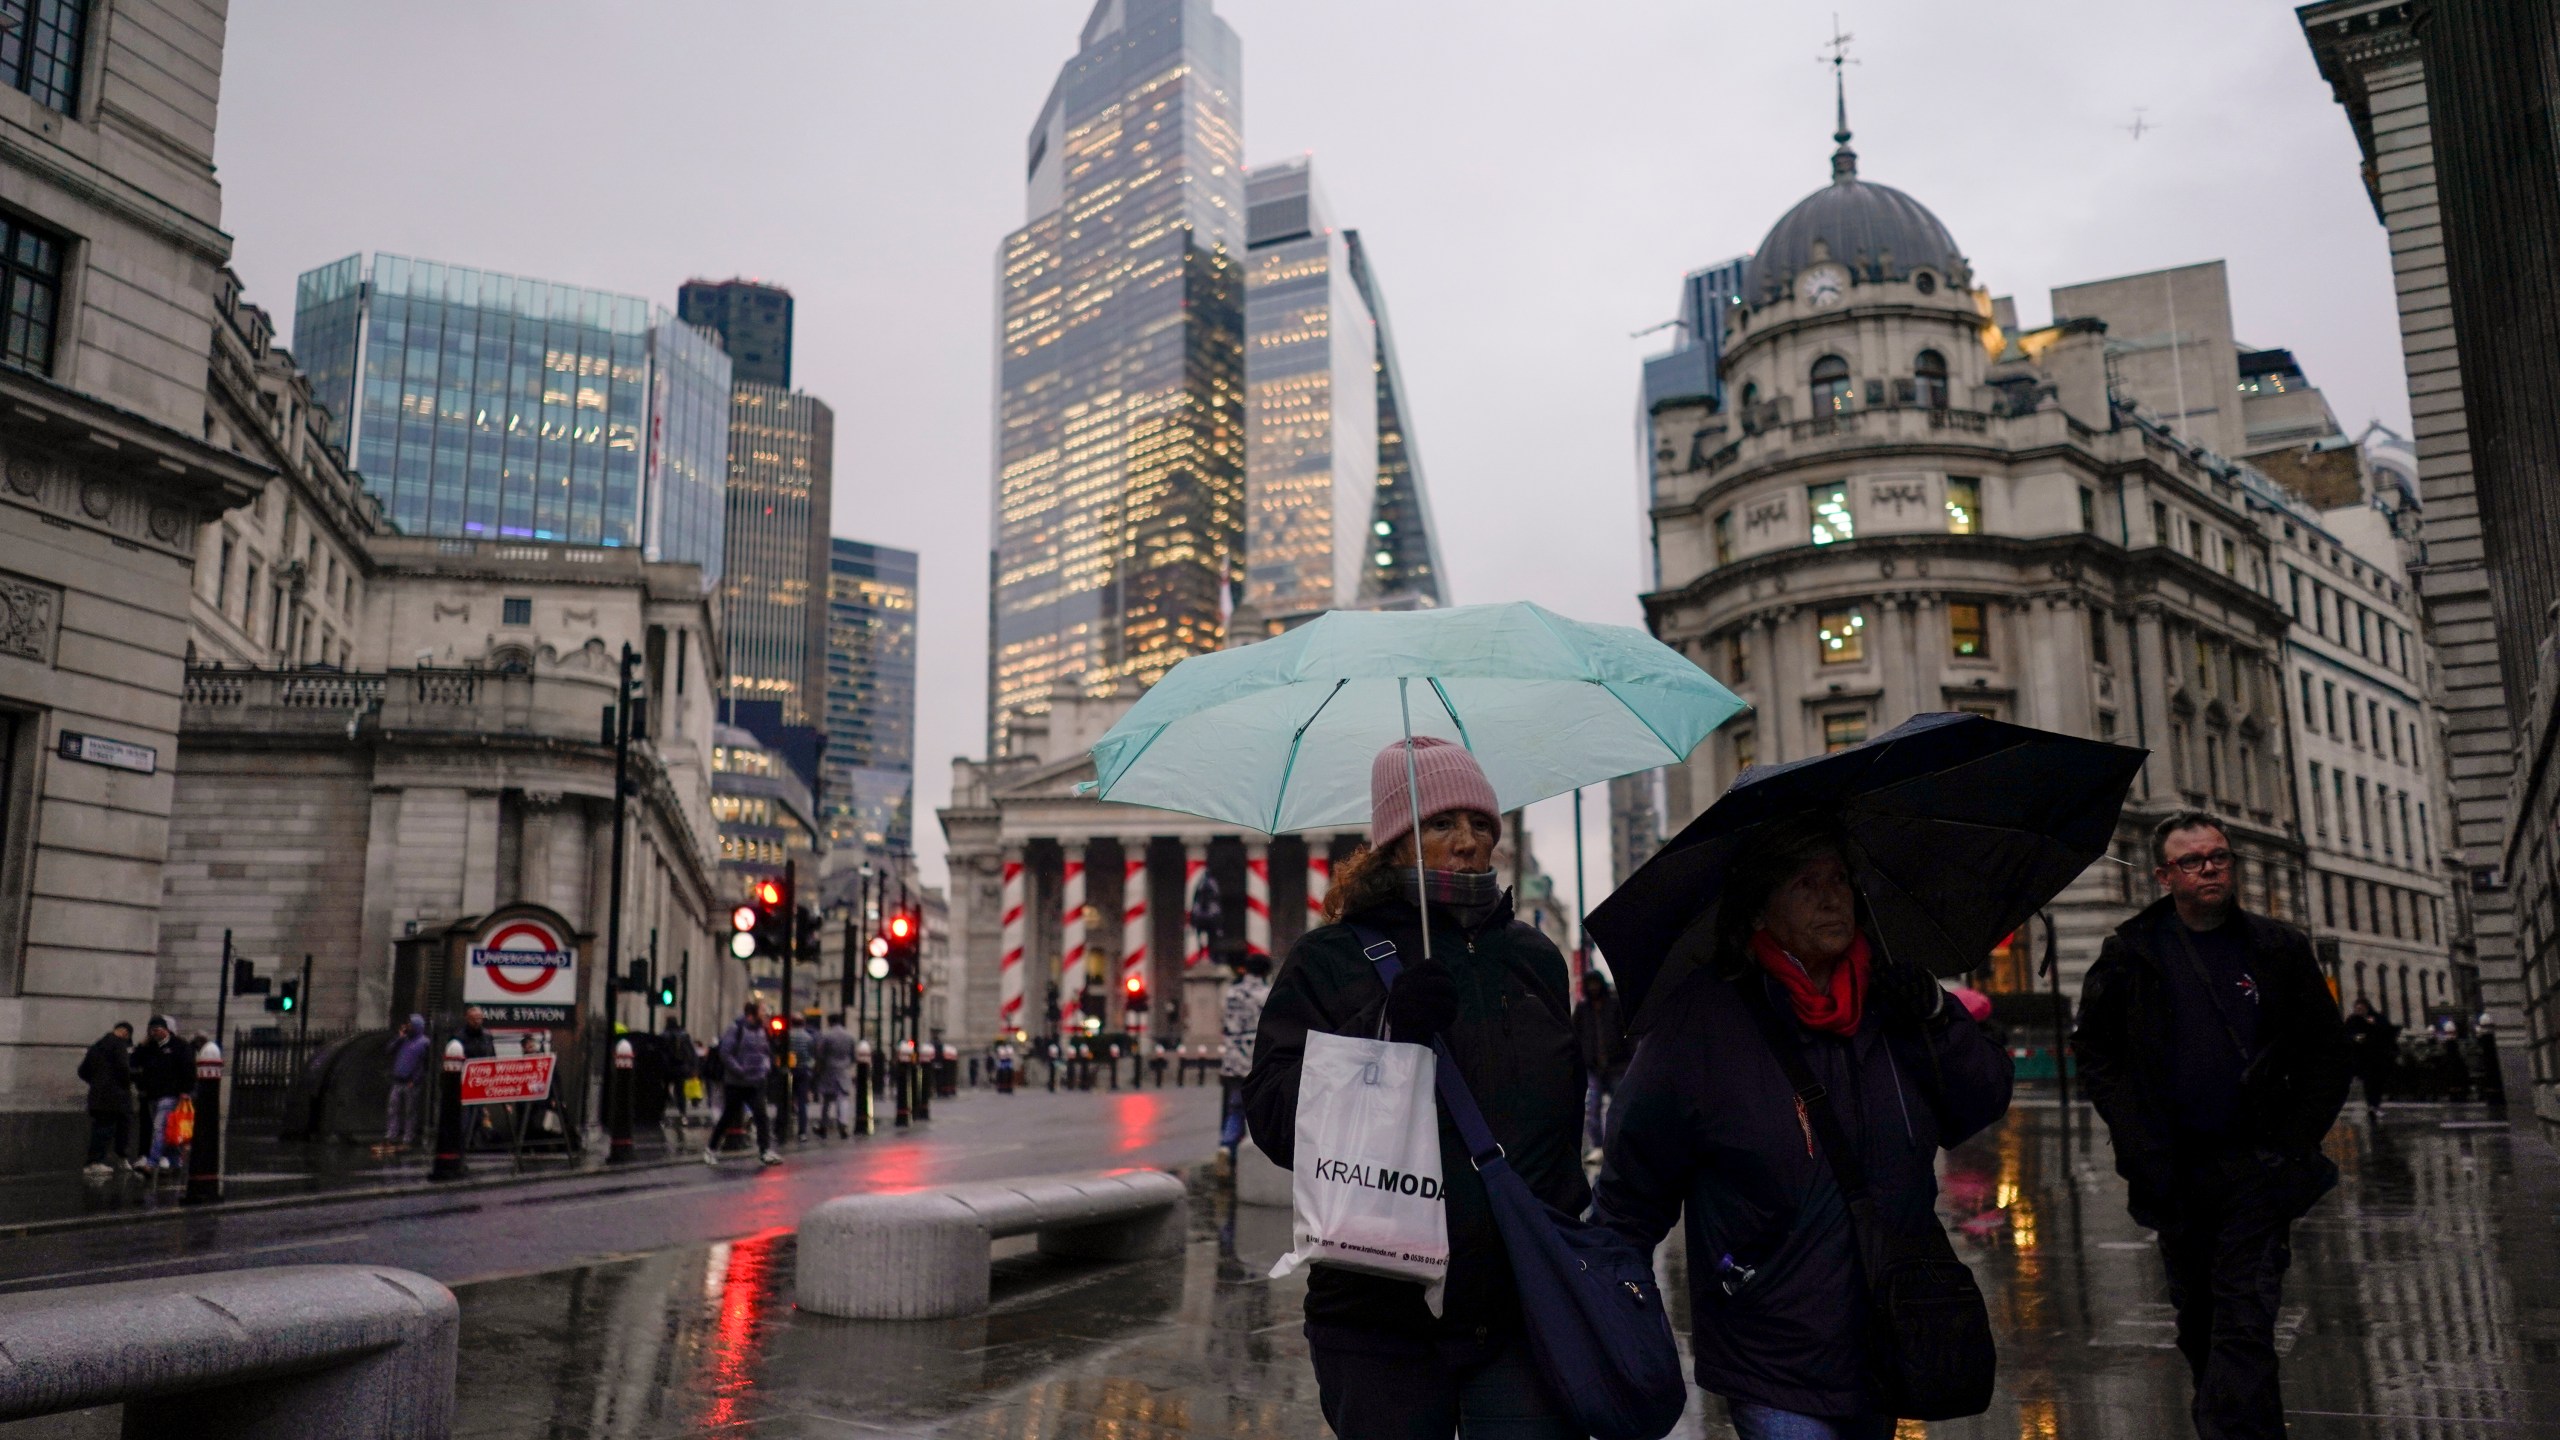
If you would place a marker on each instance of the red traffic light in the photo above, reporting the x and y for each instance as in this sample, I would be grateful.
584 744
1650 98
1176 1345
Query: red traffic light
1137 985
743 918
775 1024
768 893
902 926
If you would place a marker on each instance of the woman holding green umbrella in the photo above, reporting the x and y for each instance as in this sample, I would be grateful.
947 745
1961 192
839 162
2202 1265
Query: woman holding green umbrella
1495 990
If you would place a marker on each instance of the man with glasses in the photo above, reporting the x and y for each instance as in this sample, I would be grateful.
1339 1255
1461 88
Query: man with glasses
2212 1047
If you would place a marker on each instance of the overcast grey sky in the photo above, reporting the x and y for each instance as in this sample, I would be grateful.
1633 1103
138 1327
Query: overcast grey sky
1532 180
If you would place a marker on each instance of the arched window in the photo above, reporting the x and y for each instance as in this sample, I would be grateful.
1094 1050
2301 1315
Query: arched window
1929 371
1750 396
1831 385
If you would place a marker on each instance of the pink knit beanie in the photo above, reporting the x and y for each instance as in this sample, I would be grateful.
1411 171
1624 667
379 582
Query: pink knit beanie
1444 775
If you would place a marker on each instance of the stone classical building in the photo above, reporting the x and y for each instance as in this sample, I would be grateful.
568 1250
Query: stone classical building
1906 505
1057 898
111 223
458 766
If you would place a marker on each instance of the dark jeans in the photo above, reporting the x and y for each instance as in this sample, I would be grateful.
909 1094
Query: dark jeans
734 1098
1409 1390
1763 1422
2377 1086
106 1135
2226 1264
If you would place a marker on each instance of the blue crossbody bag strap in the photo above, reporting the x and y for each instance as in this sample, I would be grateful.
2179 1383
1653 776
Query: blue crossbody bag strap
1481 1146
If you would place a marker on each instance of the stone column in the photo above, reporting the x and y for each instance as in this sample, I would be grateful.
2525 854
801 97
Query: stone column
2151 672
1071 938
1257 897
1134 922
1195 868
1013 932
1319 877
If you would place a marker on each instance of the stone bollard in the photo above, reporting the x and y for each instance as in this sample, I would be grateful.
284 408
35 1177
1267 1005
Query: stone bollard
204 1153
617 1107
864 1122
298 1352
449 1126
900 1080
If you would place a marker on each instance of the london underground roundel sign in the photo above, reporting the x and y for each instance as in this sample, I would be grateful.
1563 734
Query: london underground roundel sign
523 970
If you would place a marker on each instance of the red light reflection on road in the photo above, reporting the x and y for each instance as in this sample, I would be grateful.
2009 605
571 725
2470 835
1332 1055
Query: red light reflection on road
1138 1121
737 1330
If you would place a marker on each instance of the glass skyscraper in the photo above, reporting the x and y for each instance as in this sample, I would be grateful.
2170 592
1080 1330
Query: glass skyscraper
486 406
1119 470
1334 504
753 320
870 762
1683 374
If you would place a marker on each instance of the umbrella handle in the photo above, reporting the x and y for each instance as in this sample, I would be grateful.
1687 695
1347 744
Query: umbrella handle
1413 803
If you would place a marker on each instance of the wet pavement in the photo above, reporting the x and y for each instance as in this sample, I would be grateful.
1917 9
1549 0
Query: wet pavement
2424 1301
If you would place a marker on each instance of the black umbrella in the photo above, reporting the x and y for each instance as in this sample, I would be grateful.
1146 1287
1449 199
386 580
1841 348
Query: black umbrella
1958 828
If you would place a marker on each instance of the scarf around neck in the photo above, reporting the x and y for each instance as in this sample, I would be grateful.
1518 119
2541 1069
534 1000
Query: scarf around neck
1835 1010
1471 897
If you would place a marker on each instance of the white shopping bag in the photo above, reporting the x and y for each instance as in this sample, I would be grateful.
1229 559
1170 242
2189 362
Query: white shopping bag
1365 1190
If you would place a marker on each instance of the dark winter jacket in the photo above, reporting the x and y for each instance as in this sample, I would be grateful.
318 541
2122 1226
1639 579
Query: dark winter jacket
108 1067
681 1062
477 1043
1706 1120
409 1053
1602 1041
1513 1043
164 1069
2373 1044
2290 1095
746 1056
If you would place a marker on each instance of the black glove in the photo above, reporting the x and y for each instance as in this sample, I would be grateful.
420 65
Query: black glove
1422 1003
1908 995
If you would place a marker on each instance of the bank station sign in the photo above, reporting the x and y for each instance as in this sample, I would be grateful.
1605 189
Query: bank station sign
522 971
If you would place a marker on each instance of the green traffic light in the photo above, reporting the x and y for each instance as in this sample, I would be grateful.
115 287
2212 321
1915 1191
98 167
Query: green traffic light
667 996
286 1003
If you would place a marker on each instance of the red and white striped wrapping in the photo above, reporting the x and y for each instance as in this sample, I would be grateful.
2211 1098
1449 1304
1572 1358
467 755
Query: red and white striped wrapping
1257 900
1133 920
1195 868
1009 949
1071 946
1319 880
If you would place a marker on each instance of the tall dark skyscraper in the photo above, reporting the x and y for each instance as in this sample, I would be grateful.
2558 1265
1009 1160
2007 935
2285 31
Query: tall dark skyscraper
773 588
753 321
870 763
1119 475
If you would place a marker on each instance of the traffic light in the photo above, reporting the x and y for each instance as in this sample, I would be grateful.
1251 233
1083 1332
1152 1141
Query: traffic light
245 979
742 932
812 931
634 978
1136 1003
287 997
903 934
667 992
762 925
776 1025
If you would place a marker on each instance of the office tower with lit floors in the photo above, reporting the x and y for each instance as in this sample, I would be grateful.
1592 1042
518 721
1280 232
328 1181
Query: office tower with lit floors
868 803
1119 465
1334 504
490 407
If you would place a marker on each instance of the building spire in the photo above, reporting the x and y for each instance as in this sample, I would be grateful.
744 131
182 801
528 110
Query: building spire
1844 161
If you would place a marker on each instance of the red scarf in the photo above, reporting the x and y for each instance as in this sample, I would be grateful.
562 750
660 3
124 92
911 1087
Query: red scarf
1834 1011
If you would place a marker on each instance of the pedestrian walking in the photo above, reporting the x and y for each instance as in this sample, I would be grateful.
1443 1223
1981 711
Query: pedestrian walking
477 1042
1601 1039
835 1052
2373 1048
107 1068
2211 1045
744 1057
1714 1117
1239 1015
684 1070
405 1115
1496 992
164 1073
804 1072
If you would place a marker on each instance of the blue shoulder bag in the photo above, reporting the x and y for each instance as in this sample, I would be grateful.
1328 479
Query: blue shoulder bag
1593 1312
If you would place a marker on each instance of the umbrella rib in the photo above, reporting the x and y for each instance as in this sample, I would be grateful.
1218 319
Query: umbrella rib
1280 797
1434 682
1659 737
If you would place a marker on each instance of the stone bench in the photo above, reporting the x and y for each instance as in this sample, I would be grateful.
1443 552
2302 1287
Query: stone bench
925 1254
296 1352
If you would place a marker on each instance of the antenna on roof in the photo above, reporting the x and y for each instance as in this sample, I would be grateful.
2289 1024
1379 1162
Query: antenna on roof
1844 161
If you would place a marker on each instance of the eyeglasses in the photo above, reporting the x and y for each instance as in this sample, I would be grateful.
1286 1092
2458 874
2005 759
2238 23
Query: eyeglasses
2198 864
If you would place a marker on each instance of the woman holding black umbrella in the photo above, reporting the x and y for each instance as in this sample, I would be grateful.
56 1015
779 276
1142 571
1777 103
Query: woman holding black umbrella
1709 1118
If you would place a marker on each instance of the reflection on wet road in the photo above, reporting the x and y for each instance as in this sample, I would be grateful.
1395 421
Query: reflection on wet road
2424 1302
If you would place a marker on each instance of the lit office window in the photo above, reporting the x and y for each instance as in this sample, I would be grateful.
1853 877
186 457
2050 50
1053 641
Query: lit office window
1839 732
1929 374
1843 637
1832 387
1968 631
1831 518
1964 505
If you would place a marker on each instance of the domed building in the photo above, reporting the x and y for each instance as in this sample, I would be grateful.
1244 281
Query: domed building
1902 504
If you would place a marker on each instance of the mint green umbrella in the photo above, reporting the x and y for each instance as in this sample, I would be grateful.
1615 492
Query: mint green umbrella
1278 736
